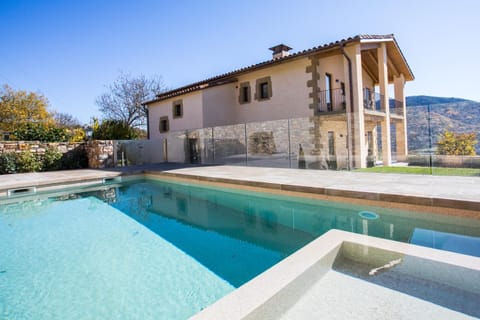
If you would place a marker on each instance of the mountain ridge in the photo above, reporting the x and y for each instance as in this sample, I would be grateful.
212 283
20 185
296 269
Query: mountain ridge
454 114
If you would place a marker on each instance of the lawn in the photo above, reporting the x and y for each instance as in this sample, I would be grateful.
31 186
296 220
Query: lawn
425 170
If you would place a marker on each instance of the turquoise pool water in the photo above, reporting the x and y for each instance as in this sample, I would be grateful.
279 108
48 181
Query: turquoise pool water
161 250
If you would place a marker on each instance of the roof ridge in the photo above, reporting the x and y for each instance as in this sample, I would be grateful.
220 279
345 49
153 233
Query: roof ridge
199 84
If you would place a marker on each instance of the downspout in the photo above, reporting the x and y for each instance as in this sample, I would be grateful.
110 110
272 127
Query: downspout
148 122
349 112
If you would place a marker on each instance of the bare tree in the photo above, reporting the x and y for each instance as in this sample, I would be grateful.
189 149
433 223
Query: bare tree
124 98
66 120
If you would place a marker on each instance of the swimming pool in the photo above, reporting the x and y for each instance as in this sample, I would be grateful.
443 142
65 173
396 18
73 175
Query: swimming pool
152 249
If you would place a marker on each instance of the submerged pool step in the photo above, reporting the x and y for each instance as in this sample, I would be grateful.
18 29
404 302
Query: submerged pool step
21 191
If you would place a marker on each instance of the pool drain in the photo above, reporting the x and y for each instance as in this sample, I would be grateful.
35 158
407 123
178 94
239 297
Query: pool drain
368 215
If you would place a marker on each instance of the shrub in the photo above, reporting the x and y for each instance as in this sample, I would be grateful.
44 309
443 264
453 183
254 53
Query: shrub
51 160
8 162
76 135
41 132
28 162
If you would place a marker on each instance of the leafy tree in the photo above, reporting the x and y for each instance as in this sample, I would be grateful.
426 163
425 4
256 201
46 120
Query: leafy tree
123 101
457 144
113 130
18 108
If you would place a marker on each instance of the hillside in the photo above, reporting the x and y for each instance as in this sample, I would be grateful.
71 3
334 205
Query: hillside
454 114
425 100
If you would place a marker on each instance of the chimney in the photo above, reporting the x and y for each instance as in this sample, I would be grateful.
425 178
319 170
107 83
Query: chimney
280 51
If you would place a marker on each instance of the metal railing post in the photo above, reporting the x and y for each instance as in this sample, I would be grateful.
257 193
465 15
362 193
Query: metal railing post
246 146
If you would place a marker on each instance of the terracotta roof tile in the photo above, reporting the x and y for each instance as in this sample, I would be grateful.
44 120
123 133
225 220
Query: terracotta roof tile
229 76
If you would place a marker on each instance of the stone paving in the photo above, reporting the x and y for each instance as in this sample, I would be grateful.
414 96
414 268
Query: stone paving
442 191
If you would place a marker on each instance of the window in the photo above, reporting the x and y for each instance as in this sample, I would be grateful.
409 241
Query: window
244 94
263 89
163 126
177 109
331 143
328 89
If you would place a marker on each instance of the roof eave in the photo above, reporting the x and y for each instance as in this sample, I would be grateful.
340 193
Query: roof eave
230 76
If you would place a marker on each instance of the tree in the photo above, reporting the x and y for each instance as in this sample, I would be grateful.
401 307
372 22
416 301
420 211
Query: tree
71 125
17 108
113 130
66 120
457 144
123 101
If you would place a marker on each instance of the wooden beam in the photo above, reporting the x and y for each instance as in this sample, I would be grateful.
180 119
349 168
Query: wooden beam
369 46
392 66
369 72
373 60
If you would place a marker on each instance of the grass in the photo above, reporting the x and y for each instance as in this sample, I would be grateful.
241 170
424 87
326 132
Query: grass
425 170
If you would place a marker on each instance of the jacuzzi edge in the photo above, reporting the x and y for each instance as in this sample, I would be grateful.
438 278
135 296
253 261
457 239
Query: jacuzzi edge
249 298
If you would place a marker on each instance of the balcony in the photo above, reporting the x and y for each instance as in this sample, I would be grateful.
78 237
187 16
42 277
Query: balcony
332 101
373 101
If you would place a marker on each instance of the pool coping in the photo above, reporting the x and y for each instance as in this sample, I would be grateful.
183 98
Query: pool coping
46 181
263 178
427 201
255 294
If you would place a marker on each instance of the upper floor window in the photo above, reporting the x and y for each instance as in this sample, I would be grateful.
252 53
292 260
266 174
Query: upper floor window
244 94
177 109
328 91
263 89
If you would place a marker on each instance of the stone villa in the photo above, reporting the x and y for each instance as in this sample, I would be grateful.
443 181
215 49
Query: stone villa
343 88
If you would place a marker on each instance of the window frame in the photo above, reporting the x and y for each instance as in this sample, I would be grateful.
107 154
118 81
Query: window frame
165 120
258 88
242 98
175 104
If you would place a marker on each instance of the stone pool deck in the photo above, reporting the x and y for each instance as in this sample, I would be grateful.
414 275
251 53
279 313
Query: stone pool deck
425 190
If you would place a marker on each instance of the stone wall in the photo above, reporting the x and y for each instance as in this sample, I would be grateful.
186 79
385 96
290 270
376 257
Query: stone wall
101 154
38 147
444 161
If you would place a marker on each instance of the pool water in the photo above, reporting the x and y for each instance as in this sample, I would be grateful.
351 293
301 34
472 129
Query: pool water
160 250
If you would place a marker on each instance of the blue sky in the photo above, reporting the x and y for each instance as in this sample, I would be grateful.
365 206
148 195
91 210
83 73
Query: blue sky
71 50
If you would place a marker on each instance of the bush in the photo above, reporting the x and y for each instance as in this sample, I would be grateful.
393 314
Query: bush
52 160
28 162
41 132
8 162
